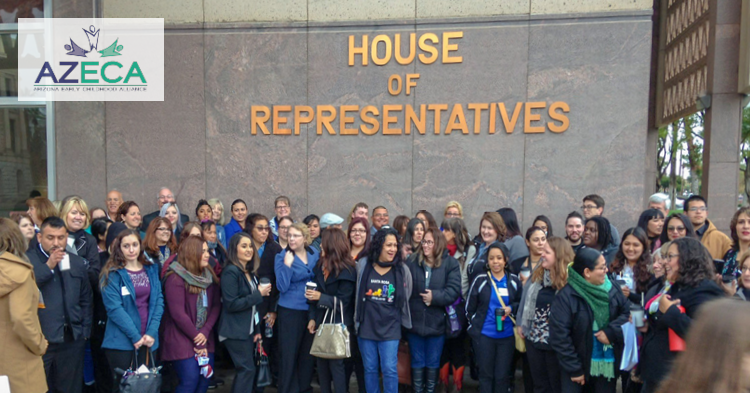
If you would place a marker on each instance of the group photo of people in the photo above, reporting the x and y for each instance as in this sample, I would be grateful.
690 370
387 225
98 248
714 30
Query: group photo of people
94 299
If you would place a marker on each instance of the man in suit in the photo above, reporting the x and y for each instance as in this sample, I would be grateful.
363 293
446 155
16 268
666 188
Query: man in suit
165 195
65 306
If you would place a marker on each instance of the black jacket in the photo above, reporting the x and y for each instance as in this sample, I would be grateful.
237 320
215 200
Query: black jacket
478 265
267 269
571 332
445 284
240 300
656 358
479 301
343 287
63 291
87 249
635 297
150 217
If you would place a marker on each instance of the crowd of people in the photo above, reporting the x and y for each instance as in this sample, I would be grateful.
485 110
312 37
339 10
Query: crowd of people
87 293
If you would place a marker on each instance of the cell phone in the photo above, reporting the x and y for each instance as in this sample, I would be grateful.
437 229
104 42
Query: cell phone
719 265
621 283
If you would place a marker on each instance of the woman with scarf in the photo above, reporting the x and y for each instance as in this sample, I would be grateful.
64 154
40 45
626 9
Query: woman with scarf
160 242
241 293
384 285
493 301
193 300
690 283
538 293
585 326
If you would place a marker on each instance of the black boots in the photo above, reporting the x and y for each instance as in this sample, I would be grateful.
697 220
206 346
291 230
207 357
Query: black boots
431 380
417 380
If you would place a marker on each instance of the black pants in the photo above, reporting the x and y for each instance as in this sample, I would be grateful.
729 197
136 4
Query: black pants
495 360
354 364
243 357
454 351
124 360
592 385
102 371
332 370
271 346
545 369
63 365
295 362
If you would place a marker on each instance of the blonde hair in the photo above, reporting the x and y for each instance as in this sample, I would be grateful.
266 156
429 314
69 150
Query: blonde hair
213 202
302 227
71 203
11 239
457 206
565 255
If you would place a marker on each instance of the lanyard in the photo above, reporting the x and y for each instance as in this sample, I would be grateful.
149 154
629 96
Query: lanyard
497 292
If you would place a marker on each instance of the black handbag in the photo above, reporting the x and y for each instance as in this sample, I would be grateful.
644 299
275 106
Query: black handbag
264 369
455 318
148 382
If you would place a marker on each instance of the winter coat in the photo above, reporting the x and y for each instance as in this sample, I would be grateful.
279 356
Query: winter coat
240 299
445 284
571 332
343 287
716 241
479 299
20 332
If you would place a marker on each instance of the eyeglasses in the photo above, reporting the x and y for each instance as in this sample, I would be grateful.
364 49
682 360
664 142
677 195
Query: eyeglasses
295 236
358 231
427 242
698 209
163 229
672 256
266 228
676 229
284 228
452 215
282 207
589 207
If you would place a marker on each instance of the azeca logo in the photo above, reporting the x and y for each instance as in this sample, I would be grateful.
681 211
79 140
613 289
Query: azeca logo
90 67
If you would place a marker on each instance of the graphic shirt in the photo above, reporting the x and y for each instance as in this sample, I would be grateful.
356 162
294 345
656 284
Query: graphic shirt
382 319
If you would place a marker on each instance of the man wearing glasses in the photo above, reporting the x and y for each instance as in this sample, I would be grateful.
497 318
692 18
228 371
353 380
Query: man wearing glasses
714 240
593 206
282 207
165 195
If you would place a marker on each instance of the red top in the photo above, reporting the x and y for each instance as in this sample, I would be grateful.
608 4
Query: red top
452 249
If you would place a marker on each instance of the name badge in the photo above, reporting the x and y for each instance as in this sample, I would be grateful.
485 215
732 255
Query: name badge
205 299
125 291
257 318
65 263
503 291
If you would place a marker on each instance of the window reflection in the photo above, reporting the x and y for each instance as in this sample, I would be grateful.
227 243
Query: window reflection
11 10
23 156
8 65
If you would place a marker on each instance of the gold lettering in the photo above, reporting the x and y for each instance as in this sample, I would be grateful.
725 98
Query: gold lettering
345 120
448 47
410 82
256 121
369 120
510 125
457 114
477 108
387 120
424 46
299 118
374 50
361 50
397 90
411 117
278 120
325 120
492 118
437 108
565 122
412 49
528 117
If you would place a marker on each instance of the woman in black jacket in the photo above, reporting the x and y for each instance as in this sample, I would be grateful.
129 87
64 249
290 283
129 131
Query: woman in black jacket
630 266
437 284
336 277
690 271
240 295
585 326
493 301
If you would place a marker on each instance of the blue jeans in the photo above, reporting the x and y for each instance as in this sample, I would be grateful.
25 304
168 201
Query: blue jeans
191 380
388 353
425 351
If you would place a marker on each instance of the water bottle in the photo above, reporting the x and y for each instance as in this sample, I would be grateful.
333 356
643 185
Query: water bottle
453 318
269 330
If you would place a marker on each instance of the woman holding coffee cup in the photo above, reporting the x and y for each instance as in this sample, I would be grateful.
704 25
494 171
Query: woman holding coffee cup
335 279
294 274
241 293
630 266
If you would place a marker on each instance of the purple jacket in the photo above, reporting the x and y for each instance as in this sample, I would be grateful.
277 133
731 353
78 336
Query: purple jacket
179 320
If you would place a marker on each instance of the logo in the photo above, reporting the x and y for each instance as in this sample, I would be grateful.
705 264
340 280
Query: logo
93 60
92 34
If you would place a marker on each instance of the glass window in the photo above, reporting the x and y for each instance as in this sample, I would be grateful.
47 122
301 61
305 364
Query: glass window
9 65
11 10
23 156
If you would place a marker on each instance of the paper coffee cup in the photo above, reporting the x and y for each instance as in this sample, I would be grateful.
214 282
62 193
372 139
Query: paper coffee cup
311 286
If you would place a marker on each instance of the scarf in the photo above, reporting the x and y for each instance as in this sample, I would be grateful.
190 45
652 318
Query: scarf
529 305
597 297
202 282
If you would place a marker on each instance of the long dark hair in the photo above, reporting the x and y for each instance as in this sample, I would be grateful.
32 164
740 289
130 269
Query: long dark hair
253 219
461 236
189 256
377 242
409 234
640 271
437 250
368 236
545 220
430 219
647 216
733 226
117 258
234 242
689 231
511 222
334 250
695 262
603 231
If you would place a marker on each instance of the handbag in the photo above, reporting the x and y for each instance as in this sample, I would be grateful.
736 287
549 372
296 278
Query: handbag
403 365
520 342
264 369
141 382
331 340
455 318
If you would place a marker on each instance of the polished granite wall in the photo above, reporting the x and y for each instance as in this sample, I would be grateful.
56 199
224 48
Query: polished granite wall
198 141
